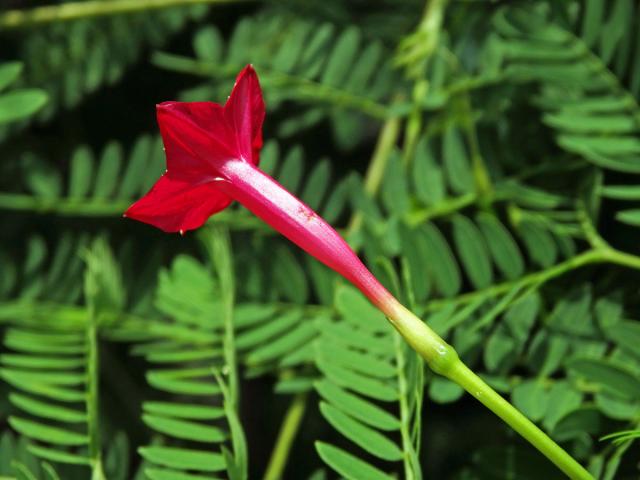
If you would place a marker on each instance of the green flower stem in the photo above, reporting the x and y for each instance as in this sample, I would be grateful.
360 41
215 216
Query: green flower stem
13 19
443 359
473 384
288 431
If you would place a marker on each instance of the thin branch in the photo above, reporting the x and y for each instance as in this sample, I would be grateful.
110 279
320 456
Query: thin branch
375 172
286 436
14 19
405 413
480 173
92 399
289 86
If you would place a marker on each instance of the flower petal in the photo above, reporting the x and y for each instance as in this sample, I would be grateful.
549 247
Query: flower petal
244 112
174 205
196 138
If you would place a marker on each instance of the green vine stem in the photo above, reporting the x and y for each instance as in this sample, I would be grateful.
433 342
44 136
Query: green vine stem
377 166
13 19
477 387
444 360
537 278
593 256
286 436
73 207
220 253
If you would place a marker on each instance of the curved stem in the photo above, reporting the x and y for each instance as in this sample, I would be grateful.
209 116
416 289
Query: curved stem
218 246
377 166
477 387
288 431
446 207
444 360
537 278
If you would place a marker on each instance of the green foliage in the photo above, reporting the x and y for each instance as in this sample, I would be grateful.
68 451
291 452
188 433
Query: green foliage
589 83
18 462
297 60
98 184
54 276
53 367
71 61
499 201
364 370
105 183
186 354
21 103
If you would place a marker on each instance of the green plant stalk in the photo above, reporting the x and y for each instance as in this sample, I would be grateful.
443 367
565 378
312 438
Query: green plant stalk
286 436
13 19
93 412
220 252
601 255
414 122
443 359
405 413
377 166
444 208
218 246
473 384
481 176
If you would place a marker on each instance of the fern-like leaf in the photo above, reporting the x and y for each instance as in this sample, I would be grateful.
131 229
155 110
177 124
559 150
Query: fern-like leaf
593 113
301 61
72 61
363 375
17 104
53 368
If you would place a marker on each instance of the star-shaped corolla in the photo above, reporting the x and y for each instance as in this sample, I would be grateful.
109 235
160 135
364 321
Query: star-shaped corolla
213 152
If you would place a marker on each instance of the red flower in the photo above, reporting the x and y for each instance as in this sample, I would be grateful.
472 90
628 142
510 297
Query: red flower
199 139
212 158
